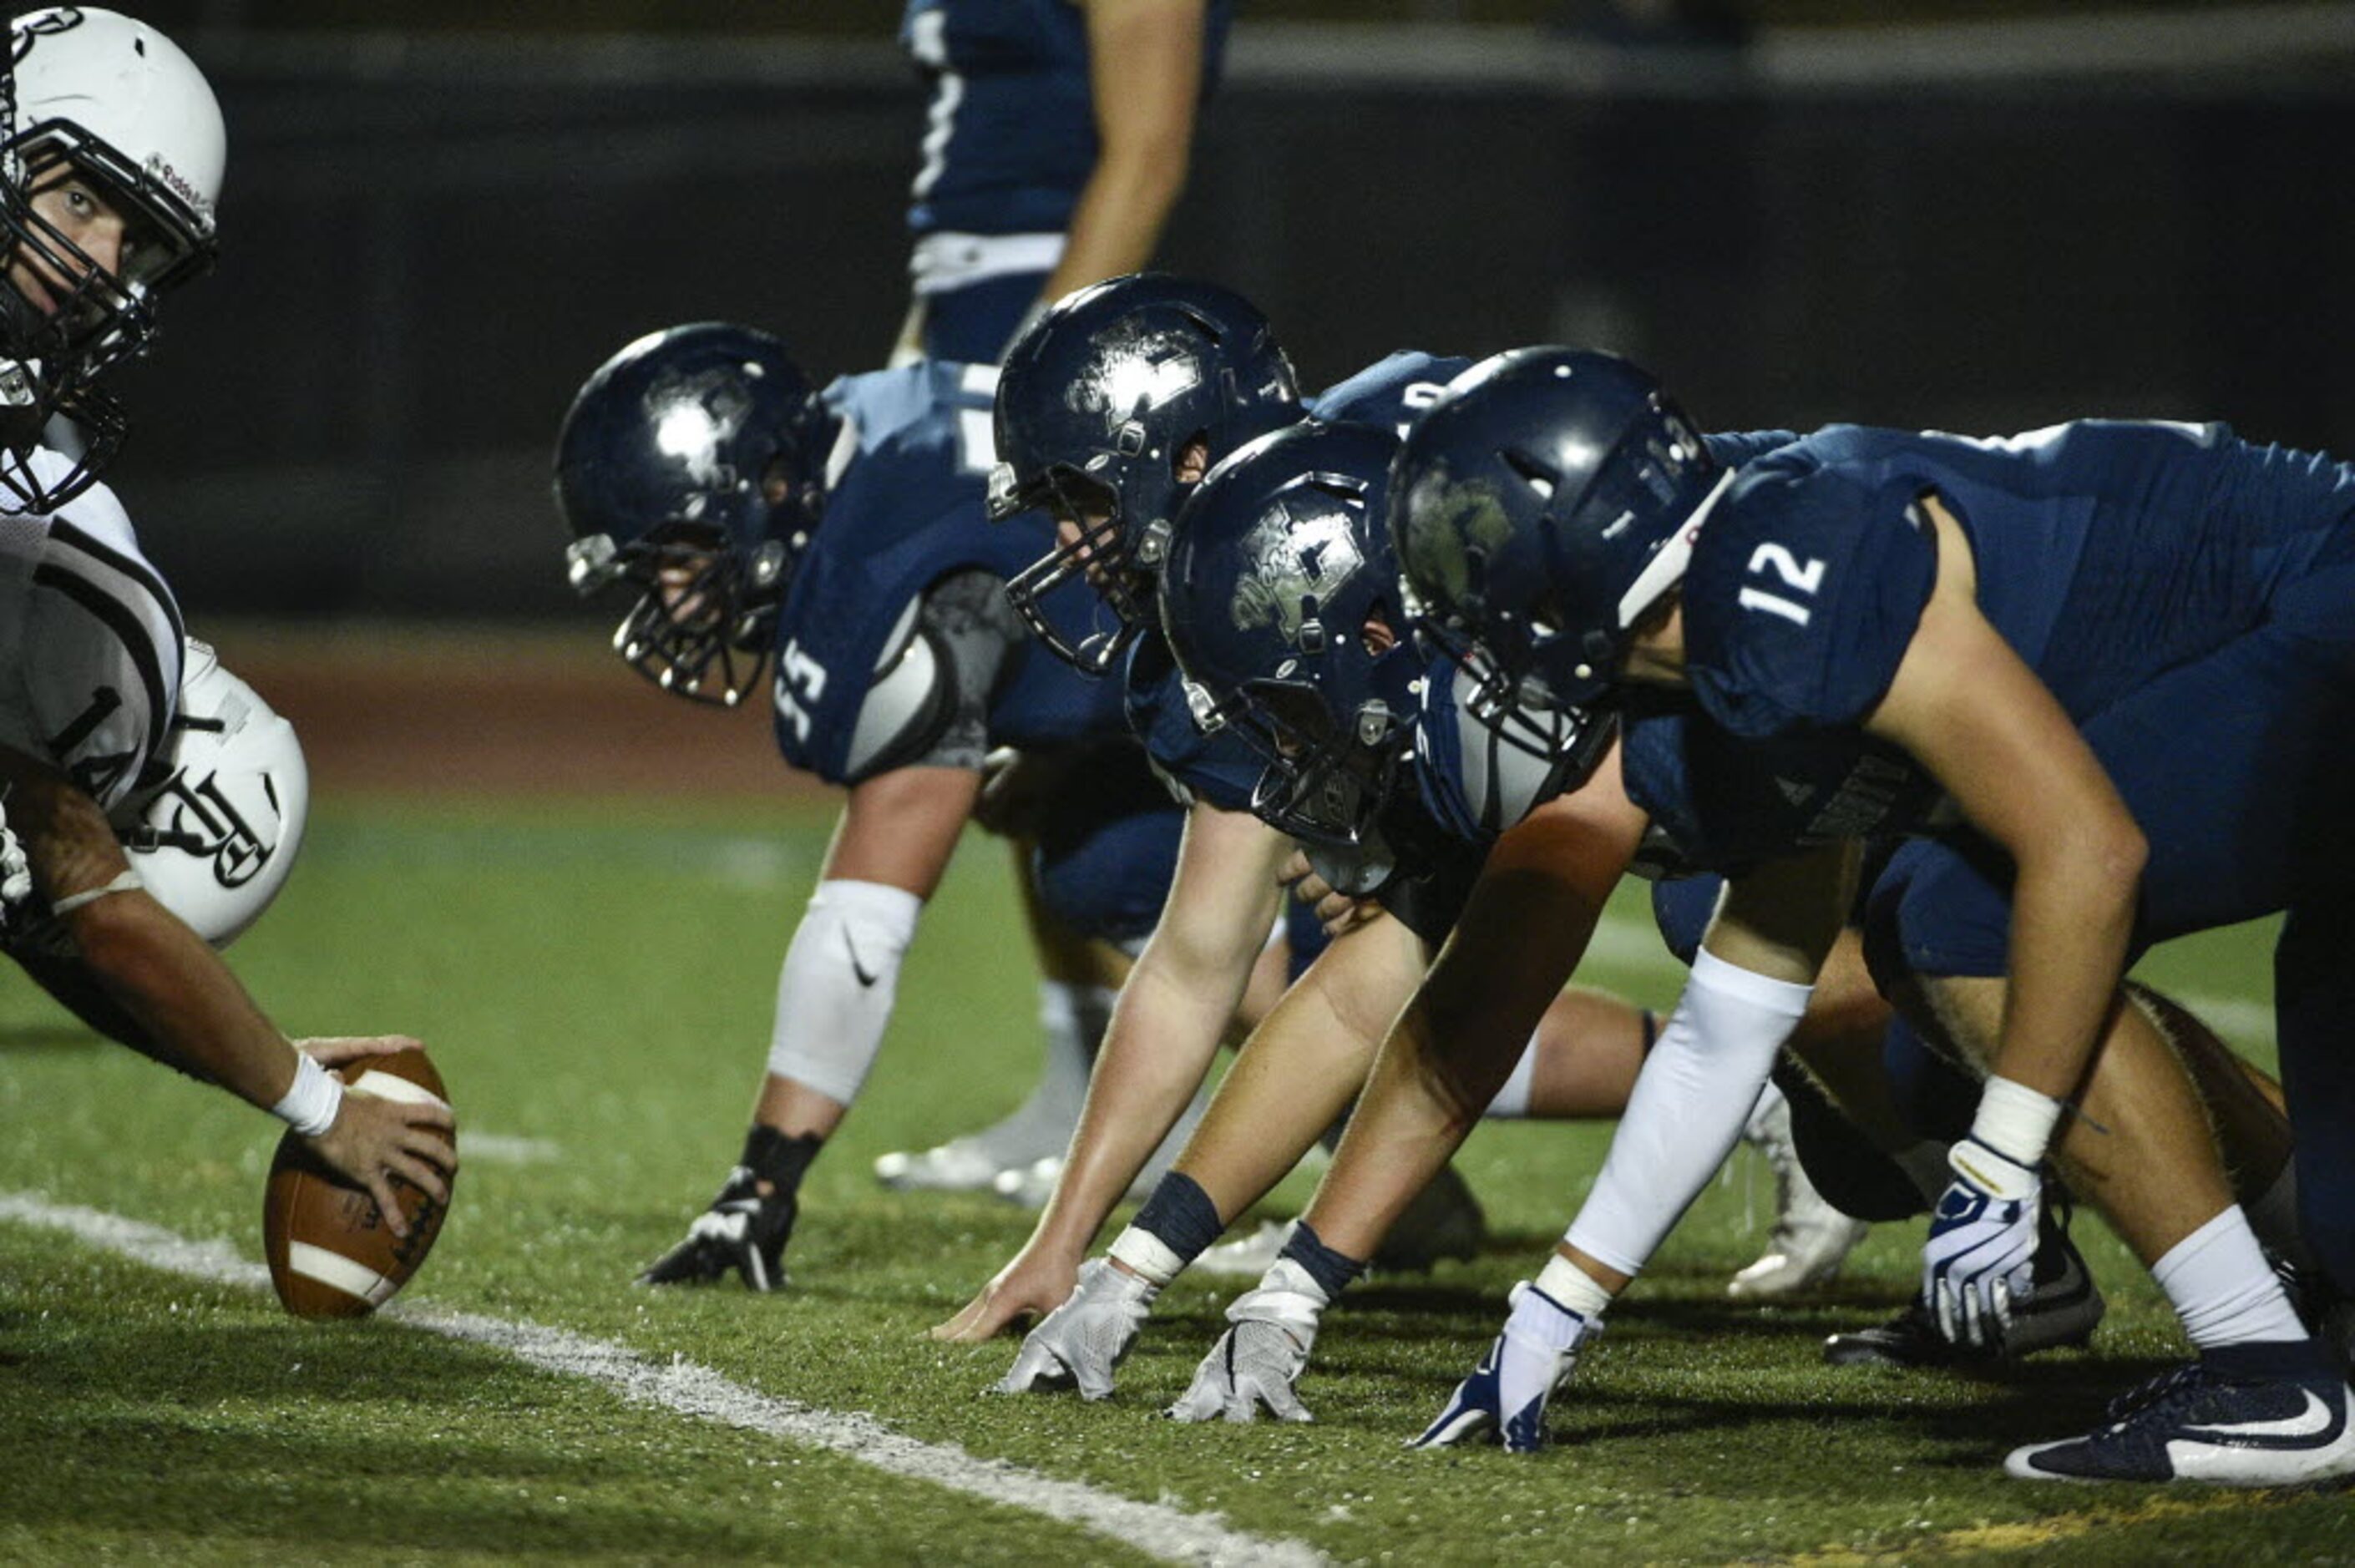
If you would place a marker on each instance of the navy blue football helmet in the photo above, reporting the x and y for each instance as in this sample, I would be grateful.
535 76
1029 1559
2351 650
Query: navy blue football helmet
1281 602
692 466
1540 507
1097 407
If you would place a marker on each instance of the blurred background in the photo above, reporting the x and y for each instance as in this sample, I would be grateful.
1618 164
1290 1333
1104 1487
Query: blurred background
441 215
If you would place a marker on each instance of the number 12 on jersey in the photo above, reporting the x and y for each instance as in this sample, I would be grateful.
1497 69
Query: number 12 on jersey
1790 575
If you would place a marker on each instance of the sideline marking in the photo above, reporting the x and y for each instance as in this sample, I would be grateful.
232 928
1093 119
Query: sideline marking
687 1388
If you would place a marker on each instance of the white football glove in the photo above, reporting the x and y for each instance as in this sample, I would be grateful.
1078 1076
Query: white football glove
1978 1260
1079 1343
1504 1400
1257 1362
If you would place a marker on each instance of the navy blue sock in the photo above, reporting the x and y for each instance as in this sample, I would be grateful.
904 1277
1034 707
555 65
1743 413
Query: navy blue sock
1331 1271
1179 1215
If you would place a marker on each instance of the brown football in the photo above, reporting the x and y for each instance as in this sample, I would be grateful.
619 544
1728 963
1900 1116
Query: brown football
331 1254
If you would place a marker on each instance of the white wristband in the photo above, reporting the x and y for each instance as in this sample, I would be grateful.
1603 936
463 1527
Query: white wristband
2015 1120
1572 1288
1147 1255
310 1105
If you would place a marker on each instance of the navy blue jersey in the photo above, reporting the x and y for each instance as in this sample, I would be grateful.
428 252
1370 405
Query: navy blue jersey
1010 131
2107 552
903 511
1215 766
1390 392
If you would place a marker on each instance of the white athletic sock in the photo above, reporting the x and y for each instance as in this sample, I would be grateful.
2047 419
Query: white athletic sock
2222 1288
1512 1101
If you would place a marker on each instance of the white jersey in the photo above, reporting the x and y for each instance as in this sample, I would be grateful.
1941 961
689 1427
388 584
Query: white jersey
90 640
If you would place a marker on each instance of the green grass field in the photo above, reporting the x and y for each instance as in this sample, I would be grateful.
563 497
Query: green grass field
595 982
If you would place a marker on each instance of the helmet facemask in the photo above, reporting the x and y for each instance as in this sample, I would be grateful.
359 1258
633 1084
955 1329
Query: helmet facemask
103 119
1324 783
703 625
1097 552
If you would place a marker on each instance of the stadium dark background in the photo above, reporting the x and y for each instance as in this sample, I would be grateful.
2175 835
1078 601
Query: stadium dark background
430 236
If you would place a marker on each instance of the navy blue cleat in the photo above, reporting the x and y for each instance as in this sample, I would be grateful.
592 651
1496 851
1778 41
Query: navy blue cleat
2242 1416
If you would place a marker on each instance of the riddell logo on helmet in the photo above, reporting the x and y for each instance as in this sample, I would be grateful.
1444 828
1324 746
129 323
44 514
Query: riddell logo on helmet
167 177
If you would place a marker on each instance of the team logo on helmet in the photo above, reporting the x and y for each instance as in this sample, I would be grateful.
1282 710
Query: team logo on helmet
48 22
1451 521
1289 560
1139 371
202 822
696 414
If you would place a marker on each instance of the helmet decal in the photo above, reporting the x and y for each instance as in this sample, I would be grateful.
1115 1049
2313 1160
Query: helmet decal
1290 561
1141 369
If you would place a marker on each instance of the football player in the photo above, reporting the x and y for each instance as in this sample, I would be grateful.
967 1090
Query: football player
1057 139
107 181
1281 605
1197 374
1834 622
840 535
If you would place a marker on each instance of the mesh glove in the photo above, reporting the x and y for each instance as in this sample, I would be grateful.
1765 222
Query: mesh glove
1079 1343
1259 1359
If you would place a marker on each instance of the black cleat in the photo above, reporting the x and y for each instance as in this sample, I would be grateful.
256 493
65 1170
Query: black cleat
742 1231
2062 1309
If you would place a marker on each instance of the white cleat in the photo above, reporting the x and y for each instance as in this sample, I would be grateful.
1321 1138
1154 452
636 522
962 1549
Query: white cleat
960 1165
1247 1257
1811 1239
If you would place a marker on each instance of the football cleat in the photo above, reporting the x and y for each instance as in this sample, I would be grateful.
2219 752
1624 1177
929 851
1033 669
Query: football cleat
1811 1238
1249 1256
742 1233
2061 1309
2242 1416
968 1164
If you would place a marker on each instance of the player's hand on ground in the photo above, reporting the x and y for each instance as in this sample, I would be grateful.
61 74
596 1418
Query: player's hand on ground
1032 1285
1338 912
373 1140
1257 1362
1977 1261
1080 1342
1504 1400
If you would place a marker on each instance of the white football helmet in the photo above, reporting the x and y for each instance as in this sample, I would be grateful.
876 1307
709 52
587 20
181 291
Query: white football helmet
133 115
214 841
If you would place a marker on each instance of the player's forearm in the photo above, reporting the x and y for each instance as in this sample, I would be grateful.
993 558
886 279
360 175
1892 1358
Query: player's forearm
1302 1068
2072 921
1697 1089
1156 1054
175 989
1419 1105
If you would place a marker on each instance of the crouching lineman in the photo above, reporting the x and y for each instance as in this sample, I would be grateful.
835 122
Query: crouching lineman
1847 641
842 533
1197 372
111 168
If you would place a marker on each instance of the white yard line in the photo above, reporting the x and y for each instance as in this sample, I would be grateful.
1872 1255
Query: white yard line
1167 1533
